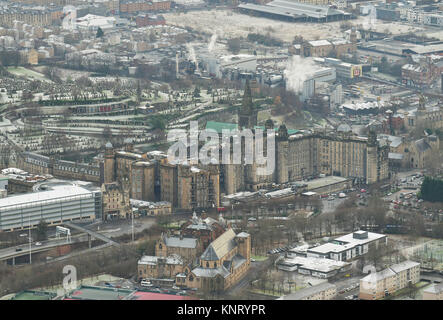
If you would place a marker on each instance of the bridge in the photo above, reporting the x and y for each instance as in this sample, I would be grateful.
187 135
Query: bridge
23 250
91 233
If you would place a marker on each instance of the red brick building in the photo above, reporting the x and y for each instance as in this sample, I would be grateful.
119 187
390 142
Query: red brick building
132 6
149 20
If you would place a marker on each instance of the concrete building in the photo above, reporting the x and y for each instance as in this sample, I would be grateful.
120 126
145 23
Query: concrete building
348 246
344 70
316 267
295 11
60 204
133 6
380 284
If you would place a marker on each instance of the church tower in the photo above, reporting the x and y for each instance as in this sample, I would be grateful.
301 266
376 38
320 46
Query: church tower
371 158
282 154
109 170
247 115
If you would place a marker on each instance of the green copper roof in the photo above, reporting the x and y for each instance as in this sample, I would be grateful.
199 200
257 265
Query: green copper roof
219 126
290 131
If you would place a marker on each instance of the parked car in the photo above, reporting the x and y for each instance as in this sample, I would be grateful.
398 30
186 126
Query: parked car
38 243
146 283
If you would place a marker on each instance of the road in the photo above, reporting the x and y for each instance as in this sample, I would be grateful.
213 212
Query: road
244 283
121 227
24 248
342 284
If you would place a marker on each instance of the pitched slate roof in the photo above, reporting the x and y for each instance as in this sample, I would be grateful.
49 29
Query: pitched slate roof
211 272
180 243
220 246
422 145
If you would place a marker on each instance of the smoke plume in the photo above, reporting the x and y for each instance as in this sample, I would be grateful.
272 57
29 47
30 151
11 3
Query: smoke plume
297 71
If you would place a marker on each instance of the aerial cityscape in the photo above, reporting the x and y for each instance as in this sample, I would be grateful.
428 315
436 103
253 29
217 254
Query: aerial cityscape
221 150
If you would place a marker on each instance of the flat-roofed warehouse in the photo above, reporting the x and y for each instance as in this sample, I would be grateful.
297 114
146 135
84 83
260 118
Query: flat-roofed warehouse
61 204
295 11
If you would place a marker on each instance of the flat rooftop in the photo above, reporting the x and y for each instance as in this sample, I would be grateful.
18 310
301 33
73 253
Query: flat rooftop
346 242
323 182
58 192
315 264
348 238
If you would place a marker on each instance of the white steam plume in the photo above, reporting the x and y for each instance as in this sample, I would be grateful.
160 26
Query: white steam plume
192 56
297 71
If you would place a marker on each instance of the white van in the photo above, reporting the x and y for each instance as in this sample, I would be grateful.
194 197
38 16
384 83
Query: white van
146 283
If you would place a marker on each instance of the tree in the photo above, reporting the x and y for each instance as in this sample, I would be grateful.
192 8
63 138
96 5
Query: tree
432 189
157 123
375 254
42 229
196 93
99 33
234 45
146 248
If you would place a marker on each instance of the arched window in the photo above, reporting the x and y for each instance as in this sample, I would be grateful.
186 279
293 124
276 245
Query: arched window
215 264
191 278
207 264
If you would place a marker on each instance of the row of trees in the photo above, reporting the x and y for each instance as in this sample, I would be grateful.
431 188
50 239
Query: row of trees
432 189
119 262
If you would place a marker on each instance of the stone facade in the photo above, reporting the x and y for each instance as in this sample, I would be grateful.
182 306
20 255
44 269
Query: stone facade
116 204
225 262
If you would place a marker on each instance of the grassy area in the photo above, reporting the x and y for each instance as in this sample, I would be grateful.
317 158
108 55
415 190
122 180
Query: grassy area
27 73
259 258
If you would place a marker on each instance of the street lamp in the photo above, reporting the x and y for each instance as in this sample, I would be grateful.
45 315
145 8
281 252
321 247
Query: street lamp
132 222
30 240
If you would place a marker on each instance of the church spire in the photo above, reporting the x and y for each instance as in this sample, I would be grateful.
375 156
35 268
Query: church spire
247 115
247 99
